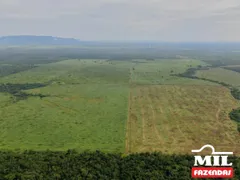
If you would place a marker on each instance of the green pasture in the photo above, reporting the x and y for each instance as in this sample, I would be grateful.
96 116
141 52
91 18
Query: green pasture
86 108
163 71
221 75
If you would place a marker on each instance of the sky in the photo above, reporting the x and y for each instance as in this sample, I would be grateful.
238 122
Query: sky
124 20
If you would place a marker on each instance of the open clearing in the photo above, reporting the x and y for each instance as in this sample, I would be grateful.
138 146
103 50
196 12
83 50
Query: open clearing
179 118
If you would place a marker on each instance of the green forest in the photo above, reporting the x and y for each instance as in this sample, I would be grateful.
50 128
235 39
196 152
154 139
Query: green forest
49 165
6 70
236 93
235 116
16 90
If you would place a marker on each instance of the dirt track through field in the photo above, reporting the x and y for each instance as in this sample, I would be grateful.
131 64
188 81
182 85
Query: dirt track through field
128 127
65 109
154 122
143 124
128 124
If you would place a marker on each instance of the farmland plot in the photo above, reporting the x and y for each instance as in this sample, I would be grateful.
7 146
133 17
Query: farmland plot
85 107
179 118
164 71
221 75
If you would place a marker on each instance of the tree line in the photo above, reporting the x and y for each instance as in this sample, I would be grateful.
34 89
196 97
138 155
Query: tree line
236 68
16 90
235 113
71 165
235 116
190 73
6 70
235 93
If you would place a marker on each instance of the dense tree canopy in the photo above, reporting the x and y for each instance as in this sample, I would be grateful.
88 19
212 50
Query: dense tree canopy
69 165
236 93
235 115
6 70
16 90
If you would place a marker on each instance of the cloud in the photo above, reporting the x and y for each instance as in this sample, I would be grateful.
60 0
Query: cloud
181 20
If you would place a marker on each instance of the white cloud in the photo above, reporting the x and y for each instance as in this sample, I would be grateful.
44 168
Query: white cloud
173 20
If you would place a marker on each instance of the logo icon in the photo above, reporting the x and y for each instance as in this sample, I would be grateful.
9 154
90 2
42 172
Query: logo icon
215 165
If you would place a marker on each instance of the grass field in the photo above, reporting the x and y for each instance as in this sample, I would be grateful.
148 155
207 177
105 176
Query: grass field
85 117
162 71
178 118
173 114
74 71
221 75
117 106
87 108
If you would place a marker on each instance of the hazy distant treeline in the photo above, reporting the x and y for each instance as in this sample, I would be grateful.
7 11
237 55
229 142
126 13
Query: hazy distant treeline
214 54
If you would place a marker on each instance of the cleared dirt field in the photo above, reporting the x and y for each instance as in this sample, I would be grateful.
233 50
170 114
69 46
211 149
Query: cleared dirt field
179 118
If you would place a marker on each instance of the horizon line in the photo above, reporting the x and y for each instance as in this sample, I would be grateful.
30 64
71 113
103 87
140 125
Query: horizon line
121 41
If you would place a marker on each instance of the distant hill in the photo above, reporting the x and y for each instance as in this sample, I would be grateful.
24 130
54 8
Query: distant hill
37 40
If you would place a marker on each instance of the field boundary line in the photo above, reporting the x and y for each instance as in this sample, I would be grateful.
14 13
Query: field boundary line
61 107
142 118
128 123
218 120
